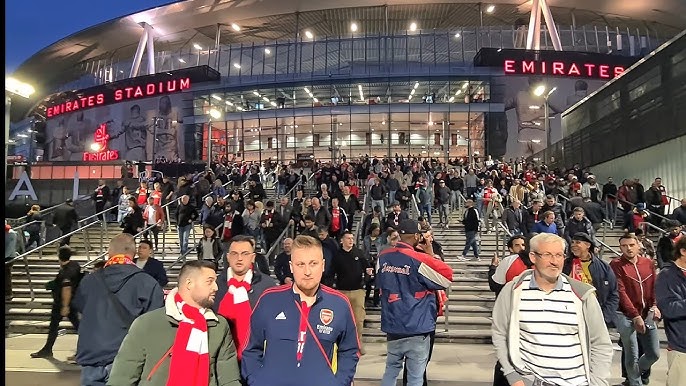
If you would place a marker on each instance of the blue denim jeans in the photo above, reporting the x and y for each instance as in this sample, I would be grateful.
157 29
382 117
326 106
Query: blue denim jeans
381 204
471 243
184 234
95 375
650 342
425 210
414 350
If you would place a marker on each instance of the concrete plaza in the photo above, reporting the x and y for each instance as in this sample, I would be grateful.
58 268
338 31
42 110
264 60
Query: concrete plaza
451 365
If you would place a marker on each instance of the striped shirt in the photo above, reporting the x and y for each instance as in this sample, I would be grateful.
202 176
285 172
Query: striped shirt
549 334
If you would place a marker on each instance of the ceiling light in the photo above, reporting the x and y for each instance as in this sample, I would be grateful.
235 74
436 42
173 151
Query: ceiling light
197 46
256 93
412 92
534 107
273 104
181 60
265 99
416 85
307 90
239 108
237 65
457 35
536 140
315 100
383 122
229 103
464 86
235 27
452 98
353 27
413 26
309 35
490 8
217 97
267 51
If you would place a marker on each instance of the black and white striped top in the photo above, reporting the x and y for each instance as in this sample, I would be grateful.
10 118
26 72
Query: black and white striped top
549 334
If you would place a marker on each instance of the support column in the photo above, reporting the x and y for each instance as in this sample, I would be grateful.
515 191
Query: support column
533 21
139 53
446 137
217 37
151 49
550 23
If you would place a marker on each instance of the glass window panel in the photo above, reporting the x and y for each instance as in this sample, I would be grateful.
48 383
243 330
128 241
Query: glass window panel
644 83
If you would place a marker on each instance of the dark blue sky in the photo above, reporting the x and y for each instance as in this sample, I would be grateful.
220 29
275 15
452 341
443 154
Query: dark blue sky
31 25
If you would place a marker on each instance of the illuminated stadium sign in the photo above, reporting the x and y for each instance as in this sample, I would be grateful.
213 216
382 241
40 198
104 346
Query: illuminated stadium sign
143 90
561 68
569 64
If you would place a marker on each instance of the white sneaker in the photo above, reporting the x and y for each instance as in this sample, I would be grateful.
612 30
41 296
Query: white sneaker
476 259
461 258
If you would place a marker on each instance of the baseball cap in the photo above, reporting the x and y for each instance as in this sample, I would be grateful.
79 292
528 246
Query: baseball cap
408 227
583 236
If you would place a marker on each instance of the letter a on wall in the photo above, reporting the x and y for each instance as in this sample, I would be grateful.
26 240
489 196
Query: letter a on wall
19 189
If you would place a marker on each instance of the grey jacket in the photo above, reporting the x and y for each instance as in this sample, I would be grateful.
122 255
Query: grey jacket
596 345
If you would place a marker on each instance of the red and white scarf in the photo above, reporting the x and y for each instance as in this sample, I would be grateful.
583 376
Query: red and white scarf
119 259
190 362
235 307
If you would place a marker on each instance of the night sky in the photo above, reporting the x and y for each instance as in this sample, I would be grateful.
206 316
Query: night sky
31 25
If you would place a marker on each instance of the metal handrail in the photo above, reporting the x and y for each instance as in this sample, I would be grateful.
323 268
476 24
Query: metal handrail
278 240
211 193
103 254
291 190
181 258
416 207
499 225
604 245
40 248
361 222
27 224
49 209
643 224
634 205
99 213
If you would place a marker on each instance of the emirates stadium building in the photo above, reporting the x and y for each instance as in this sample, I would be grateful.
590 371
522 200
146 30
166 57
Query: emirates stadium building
296 80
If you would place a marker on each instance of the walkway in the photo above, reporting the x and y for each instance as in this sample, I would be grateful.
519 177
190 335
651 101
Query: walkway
472 365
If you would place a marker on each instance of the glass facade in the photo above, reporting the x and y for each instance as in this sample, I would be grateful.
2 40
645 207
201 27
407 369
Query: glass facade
434 116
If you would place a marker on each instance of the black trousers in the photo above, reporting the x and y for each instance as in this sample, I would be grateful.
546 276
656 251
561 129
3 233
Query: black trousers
432 339
65 230
155 234
498 376
99 207
8 279
55 319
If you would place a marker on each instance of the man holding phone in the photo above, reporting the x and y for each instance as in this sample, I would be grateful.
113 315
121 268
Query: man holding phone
637 313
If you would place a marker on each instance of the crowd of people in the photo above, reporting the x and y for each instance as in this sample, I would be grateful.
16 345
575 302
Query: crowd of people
228 322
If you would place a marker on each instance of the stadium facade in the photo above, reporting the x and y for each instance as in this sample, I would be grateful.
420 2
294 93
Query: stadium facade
294 80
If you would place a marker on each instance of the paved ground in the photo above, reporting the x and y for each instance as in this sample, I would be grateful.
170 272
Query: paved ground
452 364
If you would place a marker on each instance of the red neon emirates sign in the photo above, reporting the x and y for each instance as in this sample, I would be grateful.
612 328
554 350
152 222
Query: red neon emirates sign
145 90
99 146
560 68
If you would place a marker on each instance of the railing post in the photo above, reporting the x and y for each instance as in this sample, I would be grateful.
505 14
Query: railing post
86 239
102 236
446 312
164 241
497 239
28 275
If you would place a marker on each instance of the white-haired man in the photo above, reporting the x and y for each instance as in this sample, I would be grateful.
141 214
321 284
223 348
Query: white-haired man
548 329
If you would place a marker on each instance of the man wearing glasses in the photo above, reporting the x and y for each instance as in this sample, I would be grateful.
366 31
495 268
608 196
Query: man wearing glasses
548 329
239 288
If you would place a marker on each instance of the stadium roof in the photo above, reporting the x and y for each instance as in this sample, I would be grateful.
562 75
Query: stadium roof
178 25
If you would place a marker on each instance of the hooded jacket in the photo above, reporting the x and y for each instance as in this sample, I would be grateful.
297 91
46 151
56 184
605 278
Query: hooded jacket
670 291
596 345
143 360
102 329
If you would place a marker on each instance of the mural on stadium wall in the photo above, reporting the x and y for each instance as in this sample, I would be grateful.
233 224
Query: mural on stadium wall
520 130
124 131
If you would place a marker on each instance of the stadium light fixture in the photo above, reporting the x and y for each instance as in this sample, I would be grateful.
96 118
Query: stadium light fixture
182 60
457 35
197 46
215 114
490 8
413 26
18 87
353 27
309 34
539 90
238 66
217 97
267 51
235 27
95 147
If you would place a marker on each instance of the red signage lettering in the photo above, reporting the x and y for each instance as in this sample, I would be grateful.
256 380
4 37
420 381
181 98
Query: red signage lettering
561 68
100 141
120 95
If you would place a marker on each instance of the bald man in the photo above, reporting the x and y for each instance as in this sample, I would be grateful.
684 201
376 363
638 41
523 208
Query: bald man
109 300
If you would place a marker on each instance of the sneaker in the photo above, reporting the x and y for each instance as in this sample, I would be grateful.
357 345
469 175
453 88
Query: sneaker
461 258
41 354
645 379
476 259
71 359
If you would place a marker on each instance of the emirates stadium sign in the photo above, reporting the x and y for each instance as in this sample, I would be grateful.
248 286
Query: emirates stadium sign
568 68
144 90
